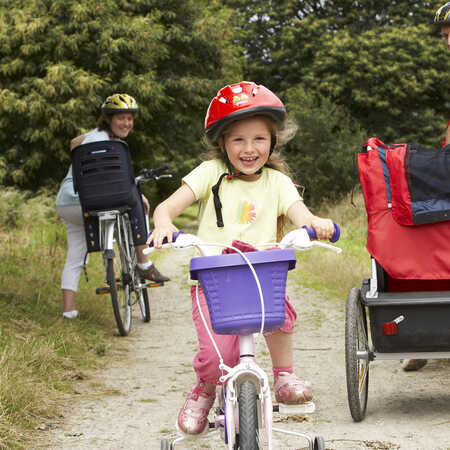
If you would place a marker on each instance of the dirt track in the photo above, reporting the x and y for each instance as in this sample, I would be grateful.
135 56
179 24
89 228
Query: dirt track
134 402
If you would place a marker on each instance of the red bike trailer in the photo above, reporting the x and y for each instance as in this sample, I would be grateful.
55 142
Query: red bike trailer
403 310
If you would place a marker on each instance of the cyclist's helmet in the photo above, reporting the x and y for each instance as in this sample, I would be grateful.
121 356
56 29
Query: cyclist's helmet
117 103
239 100
442 16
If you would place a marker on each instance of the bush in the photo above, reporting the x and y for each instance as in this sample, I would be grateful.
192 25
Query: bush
322 154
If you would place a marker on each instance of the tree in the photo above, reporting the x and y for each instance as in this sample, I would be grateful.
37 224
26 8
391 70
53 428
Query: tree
61 58
392 82
379 59
322 154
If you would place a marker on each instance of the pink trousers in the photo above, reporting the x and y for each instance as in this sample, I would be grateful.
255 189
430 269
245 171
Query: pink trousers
206 362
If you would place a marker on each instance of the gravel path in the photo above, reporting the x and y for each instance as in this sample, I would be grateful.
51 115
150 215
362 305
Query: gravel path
133 403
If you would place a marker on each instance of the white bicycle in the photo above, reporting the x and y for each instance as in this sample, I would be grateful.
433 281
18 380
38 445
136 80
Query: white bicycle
245 409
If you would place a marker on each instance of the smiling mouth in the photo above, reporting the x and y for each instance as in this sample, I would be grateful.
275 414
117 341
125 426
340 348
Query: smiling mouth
248 158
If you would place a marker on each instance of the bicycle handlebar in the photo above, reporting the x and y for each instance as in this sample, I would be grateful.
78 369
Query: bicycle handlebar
336 235
300 239
153 174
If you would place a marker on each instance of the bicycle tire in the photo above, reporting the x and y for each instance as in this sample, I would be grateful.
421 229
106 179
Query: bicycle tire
140 293
357 370
248 417
119 280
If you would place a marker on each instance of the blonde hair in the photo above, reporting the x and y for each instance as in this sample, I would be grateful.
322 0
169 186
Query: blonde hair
284 132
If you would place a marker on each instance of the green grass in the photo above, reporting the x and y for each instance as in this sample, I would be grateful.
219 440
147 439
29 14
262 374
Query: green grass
42 356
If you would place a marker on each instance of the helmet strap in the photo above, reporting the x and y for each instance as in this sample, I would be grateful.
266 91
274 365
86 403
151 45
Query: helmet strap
215 189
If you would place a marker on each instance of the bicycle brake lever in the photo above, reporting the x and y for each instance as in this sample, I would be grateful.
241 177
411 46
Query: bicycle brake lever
186 240
298 239
180 241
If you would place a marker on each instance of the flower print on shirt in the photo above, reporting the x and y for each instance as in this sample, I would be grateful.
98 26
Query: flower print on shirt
246 212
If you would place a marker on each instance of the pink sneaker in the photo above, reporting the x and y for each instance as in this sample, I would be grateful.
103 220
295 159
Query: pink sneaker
193 416
290 390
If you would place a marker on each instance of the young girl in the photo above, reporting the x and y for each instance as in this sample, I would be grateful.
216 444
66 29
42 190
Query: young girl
115 122
243 192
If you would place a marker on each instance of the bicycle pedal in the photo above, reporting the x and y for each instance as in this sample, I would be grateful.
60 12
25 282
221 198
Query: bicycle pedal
102 290
289 410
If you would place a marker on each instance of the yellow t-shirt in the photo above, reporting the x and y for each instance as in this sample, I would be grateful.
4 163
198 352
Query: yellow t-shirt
250 209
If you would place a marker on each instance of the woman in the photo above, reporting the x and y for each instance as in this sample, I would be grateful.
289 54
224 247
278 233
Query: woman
115 122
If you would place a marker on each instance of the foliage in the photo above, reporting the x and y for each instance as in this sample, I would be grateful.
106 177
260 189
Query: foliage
394 81
377 64
322 154
60 59
380 59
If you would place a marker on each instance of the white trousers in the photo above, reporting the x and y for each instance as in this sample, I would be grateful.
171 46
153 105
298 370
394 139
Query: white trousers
76 246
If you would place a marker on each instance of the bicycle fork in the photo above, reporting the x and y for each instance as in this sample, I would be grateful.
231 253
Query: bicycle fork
247 369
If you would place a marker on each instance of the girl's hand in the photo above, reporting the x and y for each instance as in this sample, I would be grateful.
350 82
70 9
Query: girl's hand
160 233
324 228
146 204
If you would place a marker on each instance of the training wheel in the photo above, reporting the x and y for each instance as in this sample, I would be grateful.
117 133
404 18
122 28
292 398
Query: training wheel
165 444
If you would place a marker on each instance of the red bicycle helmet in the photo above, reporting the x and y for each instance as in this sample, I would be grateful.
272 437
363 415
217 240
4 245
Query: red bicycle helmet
239 100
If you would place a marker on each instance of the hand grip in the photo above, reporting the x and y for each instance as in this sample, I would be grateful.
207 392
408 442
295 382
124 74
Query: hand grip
174 237
336 235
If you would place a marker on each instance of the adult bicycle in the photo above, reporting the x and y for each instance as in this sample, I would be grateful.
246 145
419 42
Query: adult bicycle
124 283
104 179
245 295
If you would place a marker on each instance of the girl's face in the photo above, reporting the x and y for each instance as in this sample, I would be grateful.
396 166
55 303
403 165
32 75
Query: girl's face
121 124
445 32
247 143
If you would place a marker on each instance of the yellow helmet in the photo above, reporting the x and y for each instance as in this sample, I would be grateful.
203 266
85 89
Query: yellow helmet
119 103
442 17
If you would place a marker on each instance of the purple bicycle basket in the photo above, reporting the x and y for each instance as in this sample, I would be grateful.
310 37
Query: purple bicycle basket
232 294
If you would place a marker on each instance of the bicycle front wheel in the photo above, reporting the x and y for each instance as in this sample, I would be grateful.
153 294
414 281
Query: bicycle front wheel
118 278
248 417
139 291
